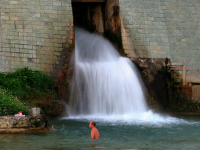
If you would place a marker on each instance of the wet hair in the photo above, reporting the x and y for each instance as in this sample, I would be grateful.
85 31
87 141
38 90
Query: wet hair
93 123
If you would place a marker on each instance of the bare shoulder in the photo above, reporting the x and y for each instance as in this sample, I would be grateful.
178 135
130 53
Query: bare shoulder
97 130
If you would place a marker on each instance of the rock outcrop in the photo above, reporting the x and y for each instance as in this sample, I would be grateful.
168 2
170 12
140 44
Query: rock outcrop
26 124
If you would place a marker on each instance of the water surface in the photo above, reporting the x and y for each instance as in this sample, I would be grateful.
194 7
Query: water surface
74 133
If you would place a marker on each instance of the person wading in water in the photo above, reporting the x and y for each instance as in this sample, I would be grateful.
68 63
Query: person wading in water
94 131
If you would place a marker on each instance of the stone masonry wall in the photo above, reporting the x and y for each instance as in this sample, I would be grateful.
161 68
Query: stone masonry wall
162 28
35 33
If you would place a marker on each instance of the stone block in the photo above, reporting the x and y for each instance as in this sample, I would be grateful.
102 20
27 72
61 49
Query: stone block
28 55
66 4
28 46
24 51
4 2
23 42
53 7
32 34
32 51
48 3
56 53
27 30
13 33
23 34
14 41
40 43
48 11
57 3
57 45
14 49
49 44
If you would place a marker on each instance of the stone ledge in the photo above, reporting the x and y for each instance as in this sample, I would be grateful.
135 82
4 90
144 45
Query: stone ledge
27 124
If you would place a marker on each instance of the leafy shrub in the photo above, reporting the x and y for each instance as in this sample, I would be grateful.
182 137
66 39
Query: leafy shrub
26 83
9 105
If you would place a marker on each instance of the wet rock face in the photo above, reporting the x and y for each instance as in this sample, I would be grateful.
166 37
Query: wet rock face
12 122
150 67
156 79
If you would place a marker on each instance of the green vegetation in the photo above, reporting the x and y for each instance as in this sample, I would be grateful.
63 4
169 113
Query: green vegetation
24 89
9 105
27 84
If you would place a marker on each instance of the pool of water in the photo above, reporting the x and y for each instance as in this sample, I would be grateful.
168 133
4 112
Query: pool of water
177 132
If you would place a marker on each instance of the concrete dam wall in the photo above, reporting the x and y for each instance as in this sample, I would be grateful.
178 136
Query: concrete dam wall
38 34
162 28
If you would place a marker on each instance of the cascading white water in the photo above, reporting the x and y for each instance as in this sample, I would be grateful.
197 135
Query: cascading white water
104 83
106 88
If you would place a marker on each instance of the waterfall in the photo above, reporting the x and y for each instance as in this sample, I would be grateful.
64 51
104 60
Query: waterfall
103 83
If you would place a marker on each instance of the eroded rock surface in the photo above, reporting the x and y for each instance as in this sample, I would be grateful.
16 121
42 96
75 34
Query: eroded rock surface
29 124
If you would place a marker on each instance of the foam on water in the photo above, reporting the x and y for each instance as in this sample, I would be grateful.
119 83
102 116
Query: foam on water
148 118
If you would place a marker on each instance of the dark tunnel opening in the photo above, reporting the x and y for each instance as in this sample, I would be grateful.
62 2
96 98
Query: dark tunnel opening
89 16
99 16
